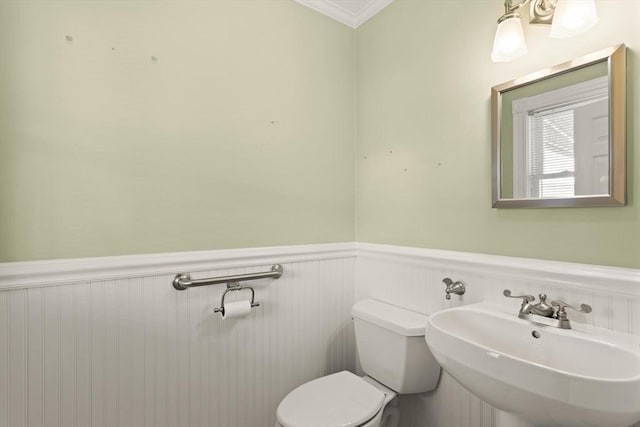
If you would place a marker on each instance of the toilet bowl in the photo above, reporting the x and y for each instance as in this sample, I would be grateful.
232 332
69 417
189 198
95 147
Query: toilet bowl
340 399
391 415
393 354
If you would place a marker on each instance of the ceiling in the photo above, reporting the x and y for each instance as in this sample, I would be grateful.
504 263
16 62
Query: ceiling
350 12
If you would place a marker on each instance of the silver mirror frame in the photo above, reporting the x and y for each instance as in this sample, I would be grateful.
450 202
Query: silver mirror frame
616 59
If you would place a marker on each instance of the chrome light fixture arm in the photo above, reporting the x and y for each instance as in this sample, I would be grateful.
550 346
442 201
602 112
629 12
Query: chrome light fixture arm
509 7
541 11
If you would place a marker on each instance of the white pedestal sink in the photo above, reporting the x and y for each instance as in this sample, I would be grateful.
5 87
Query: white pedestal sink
539 375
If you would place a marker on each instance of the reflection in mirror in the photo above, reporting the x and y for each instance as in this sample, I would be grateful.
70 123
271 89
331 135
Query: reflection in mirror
559 135
555 136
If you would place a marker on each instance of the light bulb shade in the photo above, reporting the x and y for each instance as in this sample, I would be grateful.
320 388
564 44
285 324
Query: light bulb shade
573 17
509 42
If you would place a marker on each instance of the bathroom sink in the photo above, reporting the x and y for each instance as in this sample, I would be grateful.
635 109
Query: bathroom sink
544 376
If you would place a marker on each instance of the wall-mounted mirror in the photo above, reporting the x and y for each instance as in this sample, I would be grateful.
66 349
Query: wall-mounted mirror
559 135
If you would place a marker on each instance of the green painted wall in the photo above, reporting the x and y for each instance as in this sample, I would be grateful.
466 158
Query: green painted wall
239 135
424 132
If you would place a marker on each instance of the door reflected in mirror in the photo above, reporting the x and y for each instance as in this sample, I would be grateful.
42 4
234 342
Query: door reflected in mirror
559 135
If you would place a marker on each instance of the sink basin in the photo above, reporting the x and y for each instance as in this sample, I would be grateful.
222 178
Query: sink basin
542 375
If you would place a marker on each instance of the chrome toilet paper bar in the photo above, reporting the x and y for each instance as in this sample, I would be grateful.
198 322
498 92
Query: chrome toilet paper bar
235 286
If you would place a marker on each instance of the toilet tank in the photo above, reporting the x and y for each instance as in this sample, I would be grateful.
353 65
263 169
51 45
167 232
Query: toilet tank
392 348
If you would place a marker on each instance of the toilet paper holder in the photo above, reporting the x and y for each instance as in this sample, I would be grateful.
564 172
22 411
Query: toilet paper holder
236 286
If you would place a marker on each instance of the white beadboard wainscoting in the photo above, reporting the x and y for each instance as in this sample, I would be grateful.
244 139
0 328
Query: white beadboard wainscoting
108 342
412 278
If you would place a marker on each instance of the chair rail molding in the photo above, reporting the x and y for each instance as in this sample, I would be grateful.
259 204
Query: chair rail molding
557 273
16 275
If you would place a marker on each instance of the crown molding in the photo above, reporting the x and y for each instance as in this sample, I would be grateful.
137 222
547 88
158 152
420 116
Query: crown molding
335 11
370 10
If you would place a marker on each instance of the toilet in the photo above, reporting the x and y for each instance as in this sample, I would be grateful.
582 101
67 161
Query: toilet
393 355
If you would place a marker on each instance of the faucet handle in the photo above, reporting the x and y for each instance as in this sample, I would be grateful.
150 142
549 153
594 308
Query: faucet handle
526 298
562 314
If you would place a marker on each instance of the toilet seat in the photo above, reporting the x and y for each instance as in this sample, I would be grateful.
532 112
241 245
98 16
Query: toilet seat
338 400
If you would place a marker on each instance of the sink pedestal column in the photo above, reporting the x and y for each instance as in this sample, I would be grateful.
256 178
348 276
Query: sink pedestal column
505 419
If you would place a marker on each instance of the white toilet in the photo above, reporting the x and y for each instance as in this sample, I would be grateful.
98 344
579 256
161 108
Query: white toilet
395 357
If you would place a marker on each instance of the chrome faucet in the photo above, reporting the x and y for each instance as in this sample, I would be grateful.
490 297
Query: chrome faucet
553 314
542 308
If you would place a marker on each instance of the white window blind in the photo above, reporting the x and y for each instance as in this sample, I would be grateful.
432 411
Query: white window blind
548 162
551 153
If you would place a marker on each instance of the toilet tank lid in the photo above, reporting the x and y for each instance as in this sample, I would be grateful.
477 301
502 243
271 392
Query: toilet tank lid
397 319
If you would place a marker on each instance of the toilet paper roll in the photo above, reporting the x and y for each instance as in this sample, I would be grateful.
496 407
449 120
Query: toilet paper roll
236 309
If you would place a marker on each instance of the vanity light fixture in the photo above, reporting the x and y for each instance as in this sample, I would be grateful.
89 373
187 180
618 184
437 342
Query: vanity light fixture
568 18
